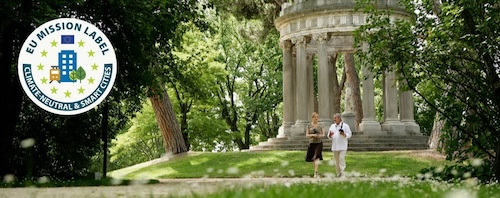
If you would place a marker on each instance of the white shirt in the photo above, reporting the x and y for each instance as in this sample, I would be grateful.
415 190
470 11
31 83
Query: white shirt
339 142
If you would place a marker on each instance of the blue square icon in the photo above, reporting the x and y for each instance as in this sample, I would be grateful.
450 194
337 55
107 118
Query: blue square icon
67 39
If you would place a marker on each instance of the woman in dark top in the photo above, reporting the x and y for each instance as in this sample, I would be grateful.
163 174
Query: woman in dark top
315 133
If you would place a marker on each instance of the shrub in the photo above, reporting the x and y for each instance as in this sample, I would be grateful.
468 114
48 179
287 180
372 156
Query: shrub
455 173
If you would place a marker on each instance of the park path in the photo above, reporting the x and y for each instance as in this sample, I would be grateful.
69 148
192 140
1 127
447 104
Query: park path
168 187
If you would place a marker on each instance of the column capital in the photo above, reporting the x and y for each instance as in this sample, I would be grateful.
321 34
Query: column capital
321 38
300 41
332 56
286 45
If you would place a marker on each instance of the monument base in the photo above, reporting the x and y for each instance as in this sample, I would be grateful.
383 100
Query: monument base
299 128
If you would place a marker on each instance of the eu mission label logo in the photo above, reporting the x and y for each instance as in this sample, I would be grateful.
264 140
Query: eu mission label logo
67 66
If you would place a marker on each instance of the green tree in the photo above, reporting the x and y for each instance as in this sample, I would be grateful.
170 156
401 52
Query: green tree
163 64
64 145
245 87
141 141
268 81
197 84
193 85
78 74
265 11
453 45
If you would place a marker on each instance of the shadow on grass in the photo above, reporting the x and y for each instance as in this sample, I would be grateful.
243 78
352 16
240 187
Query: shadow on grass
78 182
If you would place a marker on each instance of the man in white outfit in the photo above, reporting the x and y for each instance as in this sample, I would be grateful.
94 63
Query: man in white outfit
339 132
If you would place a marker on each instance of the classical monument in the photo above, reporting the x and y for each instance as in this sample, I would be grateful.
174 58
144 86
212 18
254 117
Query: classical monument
323 29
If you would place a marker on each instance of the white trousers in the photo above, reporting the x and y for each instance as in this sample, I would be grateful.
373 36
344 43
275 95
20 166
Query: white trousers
340 165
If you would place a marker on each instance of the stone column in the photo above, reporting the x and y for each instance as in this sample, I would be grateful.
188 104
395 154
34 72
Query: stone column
323 81
348 118
311 99
294 84
406 113
369 124
331 73
391 124
288 97
299 128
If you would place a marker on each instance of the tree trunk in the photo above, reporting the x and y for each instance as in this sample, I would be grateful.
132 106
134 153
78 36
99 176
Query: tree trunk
184 124
165 116
436 7
496 163
104 138
185 107
9 84
229 111
435 142
336 89
250 122
353 94
8 123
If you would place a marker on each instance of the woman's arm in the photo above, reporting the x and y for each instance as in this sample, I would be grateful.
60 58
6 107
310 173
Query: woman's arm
307 132
322 133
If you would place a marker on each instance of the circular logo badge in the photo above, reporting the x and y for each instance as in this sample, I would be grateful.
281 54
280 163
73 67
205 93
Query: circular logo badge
67 66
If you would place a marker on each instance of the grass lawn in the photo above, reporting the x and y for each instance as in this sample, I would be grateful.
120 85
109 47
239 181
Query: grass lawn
380 189
291 164
281 164
385 174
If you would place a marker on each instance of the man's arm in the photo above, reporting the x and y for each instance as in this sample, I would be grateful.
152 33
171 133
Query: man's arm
330 132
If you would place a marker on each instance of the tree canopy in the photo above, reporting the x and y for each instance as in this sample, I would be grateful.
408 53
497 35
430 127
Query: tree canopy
63 145
454 46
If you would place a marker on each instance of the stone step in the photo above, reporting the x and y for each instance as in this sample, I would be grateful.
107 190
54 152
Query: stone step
356 143
367 140
276 139
350 139
361 137
387 144
350 149
353 146
325 144
387 148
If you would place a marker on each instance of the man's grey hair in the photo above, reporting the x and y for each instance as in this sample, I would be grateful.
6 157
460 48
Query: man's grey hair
337 115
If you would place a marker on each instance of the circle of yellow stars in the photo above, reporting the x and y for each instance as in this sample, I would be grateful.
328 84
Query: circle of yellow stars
54 90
